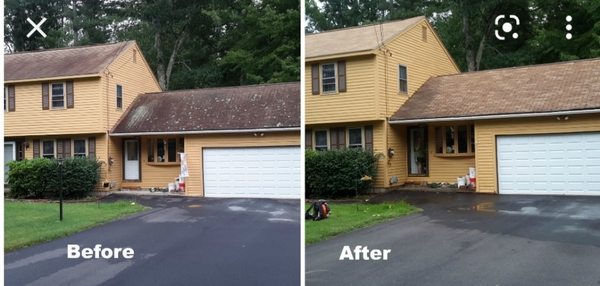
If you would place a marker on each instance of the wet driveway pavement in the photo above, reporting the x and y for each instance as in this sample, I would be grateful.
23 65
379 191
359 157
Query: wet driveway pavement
180 241
468 239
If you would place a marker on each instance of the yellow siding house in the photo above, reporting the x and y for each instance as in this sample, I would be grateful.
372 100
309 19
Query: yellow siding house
104 102
356 78
394 89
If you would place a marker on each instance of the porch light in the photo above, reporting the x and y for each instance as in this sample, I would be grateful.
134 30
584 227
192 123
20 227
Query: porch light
391 152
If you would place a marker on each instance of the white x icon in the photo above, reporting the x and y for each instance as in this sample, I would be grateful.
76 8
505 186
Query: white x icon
36 27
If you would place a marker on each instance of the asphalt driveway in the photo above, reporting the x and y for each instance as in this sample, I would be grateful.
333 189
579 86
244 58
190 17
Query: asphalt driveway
181 241
468 239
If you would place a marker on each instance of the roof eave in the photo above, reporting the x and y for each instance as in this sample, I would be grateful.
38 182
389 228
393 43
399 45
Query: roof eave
56 78
495 116
341 55
224 131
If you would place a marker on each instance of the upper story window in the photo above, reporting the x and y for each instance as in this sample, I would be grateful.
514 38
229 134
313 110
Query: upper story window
321 140
48 150
58 95
403 78
455 140
328 78
355 138
119 96
9 98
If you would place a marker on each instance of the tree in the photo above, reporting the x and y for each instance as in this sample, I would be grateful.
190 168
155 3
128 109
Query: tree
261 42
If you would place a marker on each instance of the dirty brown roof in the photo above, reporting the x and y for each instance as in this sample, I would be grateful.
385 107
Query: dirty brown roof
355 39
564 86
85 60
213 109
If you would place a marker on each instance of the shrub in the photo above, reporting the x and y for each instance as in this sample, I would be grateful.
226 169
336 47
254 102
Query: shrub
39 178
337 173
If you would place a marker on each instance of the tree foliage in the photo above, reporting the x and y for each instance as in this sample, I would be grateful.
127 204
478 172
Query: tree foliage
188 44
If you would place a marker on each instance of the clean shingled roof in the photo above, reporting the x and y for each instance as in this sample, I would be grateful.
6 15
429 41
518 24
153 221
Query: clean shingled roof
74 61
355 39
563 86
267 106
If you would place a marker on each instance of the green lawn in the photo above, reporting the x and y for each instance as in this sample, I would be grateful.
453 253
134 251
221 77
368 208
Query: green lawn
28 223
348 217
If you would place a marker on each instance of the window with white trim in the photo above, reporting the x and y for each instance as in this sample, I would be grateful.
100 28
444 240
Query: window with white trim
321 140
355 138
58 95
48 150
403 78
328 78
119 96
79 148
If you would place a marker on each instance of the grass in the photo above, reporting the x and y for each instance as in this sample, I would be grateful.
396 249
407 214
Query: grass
349 217
29 223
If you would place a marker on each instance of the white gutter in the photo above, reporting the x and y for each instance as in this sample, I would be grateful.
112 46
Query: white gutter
208 132
496 116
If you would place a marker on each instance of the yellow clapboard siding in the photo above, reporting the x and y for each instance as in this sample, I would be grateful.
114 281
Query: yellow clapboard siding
423 60
135 78
354 105
29 119
487 130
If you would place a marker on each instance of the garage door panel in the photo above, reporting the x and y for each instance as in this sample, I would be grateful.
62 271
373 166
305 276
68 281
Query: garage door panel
264 172
559 164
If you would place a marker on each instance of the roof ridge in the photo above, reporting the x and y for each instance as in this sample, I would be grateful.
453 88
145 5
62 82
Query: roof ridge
223 87
519 67
69 48
363 26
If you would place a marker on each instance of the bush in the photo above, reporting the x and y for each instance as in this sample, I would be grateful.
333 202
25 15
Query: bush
337 173
39 178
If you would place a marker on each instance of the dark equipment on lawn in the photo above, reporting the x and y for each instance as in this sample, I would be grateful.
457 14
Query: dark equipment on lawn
320 210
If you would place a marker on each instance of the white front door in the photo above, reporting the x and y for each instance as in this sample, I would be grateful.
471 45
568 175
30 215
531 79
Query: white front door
132 160
10 154
264 172
549 164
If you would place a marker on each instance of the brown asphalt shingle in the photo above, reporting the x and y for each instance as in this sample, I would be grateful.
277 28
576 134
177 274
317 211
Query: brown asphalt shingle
85 60
226 108
564 86
355 39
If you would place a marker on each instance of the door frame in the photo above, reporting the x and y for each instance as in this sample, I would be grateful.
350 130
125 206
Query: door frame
408 149
124 146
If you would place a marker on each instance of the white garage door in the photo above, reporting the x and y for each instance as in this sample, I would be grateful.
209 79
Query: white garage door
269 172
552 164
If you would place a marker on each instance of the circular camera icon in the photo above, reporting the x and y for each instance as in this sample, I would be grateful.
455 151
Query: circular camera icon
506 26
